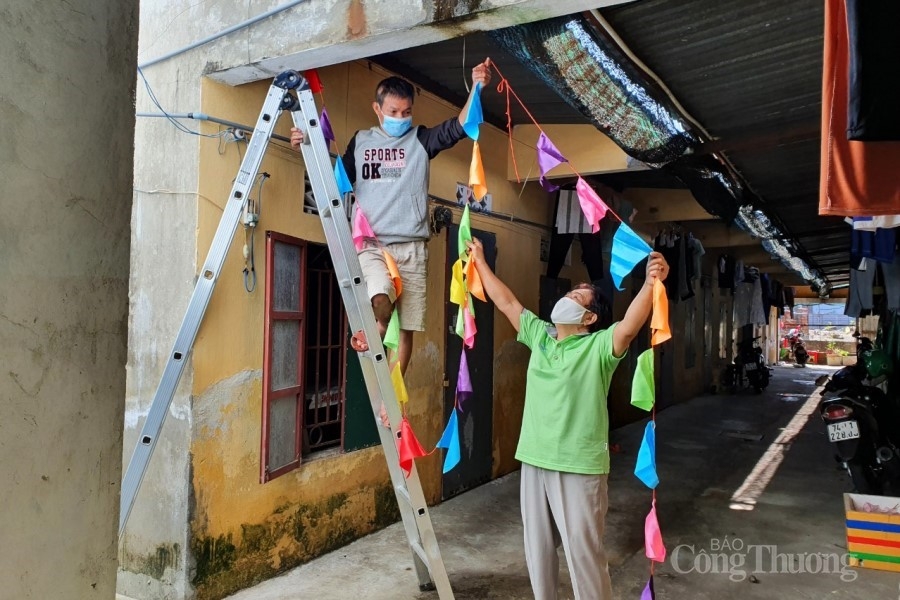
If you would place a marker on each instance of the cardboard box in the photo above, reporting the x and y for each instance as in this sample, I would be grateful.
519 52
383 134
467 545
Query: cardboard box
873 531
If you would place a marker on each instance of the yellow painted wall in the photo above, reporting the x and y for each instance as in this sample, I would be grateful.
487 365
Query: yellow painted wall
243 530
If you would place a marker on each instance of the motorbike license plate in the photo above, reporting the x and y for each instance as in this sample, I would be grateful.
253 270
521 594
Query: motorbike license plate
846 430
750 366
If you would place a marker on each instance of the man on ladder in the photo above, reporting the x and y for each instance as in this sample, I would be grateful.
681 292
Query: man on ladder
388 166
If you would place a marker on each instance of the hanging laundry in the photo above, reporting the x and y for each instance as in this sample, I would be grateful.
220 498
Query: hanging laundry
878 244
879 222
856 179
874 84
859 296
697 252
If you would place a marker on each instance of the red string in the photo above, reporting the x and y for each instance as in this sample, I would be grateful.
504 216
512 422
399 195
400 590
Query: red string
504 82
503 86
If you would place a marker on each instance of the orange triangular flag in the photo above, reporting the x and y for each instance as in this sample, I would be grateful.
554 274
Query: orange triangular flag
408 447
473 281
659 320
476 174
394 271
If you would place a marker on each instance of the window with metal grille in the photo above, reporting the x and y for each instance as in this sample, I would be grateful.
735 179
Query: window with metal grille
304 360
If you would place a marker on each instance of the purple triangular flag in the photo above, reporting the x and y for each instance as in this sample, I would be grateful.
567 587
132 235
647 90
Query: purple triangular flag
326 126
649 593
463 381
548 157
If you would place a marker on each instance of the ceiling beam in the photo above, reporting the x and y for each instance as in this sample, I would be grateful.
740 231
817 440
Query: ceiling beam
763 141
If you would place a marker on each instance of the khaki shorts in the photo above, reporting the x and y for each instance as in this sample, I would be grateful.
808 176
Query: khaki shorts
412 263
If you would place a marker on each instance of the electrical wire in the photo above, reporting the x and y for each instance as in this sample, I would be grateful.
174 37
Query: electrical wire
170 118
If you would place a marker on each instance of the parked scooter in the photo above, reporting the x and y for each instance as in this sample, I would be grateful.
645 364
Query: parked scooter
863 423
801 356
750 363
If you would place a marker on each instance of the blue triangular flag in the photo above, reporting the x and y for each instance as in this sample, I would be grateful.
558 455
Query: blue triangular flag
475 116
343 182
645 469
628 249
450 441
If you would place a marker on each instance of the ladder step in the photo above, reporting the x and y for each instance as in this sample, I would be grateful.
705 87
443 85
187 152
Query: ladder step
420 552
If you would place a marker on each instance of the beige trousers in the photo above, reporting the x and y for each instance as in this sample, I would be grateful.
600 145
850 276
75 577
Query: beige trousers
565 508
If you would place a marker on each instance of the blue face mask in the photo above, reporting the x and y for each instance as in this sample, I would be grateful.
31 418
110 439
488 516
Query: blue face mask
395 127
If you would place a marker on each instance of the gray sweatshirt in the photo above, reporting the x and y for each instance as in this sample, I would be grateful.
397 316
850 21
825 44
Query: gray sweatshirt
390 177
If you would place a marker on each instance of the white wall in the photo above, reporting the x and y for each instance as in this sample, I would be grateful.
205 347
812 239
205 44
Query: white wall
66 112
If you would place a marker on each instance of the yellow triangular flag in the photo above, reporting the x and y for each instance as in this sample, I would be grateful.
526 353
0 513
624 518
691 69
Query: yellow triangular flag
399 384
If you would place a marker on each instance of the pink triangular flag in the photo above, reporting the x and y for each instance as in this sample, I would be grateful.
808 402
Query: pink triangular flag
361 229
469 326
653 543
592 206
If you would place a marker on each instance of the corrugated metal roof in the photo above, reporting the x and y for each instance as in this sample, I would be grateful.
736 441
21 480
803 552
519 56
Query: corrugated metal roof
751 73
748 71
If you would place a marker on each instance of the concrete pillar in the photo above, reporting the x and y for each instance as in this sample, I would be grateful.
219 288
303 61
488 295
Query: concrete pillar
67 117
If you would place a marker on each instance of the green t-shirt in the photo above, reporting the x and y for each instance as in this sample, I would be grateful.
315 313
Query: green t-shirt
565 426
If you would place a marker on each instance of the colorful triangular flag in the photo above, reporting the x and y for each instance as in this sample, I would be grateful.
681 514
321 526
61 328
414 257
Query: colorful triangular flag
393 271
653 543
315 84
643 385
473 281
649 593
548 157
628 250
645 468
399 384
474 116
325 122
465 232
477 181
340 173
361 228
457 287
450 441
408 447
392 335
659 319
463 380
593 207
469 328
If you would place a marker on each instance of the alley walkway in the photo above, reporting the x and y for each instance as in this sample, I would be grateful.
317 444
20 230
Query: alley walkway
753 469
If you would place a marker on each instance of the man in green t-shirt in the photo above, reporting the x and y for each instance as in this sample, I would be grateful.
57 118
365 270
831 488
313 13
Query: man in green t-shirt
564 442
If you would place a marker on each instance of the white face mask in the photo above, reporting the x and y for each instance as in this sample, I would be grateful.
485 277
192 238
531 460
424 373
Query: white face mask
567 312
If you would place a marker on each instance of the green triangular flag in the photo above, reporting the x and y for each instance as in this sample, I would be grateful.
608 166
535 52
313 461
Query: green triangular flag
643 387
392 335
465 232
461 323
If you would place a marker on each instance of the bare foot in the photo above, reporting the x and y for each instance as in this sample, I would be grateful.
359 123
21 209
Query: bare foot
384 417
358 342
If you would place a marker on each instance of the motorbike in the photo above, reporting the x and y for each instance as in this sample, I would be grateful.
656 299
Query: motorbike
801 356
863 425
750 363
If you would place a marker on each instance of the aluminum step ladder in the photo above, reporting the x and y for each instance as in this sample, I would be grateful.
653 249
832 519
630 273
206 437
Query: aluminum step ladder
290 91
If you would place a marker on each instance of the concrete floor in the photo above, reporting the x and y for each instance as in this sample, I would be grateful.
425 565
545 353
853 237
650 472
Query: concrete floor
770 450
